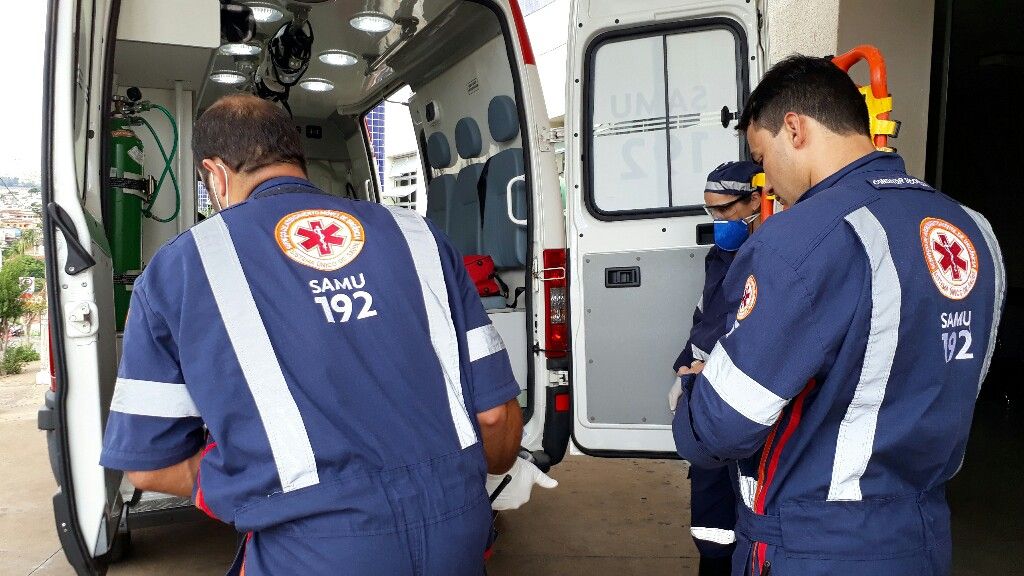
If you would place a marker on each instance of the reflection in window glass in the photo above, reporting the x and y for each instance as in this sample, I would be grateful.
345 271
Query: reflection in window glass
657 128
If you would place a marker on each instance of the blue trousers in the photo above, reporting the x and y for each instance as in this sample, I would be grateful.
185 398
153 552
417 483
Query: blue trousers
450 547
712 511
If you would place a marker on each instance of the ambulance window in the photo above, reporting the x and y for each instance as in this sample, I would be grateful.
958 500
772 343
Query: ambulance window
395 148
655 109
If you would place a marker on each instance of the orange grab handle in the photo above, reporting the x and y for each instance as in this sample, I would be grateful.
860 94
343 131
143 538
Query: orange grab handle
879 83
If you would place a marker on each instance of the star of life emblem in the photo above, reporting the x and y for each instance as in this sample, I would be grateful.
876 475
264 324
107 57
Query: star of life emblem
749 299
323 239
950 256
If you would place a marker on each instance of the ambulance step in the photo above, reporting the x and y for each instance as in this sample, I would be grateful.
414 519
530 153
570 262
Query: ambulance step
155 509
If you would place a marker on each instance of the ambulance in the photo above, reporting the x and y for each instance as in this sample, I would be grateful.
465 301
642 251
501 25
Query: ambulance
601 279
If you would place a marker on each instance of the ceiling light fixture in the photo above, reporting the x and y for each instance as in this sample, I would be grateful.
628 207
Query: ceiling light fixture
240 49
229 77
338 58
372 21
265 12
317 85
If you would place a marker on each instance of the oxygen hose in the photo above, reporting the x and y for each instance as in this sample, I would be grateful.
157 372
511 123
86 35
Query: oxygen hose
168 168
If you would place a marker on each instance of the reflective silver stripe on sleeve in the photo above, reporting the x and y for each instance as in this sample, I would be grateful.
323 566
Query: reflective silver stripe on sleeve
427 260
857 430
146 398
715 535
483 342
699 354
286 432
741 392
1000 287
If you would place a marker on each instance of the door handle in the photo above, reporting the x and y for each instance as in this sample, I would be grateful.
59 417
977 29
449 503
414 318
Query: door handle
508 200
622 277
79 258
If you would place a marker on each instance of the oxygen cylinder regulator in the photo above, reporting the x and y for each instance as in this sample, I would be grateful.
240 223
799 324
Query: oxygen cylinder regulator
131 194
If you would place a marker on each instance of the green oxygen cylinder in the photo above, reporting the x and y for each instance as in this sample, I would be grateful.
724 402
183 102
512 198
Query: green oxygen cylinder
127 192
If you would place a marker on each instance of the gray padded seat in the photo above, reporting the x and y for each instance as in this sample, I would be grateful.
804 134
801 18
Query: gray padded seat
464 205
441 188
493 302
504 240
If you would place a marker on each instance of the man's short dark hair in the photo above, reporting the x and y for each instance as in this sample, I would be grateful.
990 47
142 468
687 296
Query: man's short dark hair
247 133
811 86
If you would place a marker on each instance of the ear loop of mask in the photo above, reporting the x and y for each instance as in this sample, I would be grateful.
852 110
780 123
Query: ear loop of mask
213 188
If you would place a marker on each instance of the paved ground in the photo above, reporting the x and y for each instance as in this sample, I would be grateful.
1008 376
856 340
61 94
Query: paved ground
616 517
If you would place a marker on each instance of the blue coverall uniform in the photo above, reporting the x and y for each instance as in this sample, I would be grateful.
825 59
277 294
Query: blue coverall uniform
338 354
865 319
712 492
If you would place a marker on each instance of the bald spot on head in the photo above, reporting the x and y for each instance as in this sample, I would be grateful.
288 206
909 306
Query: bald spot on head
247 133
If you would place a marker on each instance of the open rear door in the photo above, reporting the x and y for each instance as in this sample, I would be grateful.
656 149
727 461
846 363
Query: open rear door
652 89
87 505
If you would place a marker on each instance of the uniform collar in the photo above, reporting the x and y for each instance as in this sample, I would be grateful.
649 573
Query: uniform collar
875 161
281 185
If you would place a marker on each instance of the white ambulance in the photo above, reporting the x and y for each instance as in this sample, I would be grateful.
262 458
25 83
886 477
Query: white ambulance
601 285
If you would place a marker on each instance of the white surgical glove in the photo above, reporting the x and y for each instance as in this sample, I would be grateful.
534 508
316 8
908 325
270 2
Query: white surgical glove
524 475
674 393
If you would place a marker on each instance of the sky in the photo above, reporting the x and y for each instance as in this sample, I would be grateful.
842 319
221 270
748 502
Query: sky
21 97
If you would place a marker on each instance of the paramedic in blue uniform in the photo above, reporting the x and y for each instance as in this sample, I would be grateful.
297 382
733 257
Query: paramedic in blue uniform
864 319
732 200
316 371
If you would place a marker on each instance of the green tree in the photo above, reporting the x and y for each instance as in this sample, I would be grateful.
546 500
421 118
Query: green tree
27 266
12 305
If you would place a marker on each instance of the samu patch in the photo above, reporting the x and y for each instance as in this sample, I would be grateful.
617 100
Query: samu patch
950 256
749 299
323 239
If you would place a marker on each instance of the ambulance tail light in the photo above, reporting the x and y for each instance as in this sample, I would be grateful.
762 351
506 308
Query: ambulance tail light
53 367
556 298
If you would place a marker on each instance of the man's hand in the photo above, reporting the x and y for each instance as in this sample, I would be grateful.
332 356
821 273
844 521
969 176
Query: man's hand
694 368
524 475
675 393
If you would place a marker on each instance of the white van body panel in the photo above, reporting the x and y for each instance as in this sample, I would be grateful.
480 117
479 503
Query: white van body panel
669 240
85 298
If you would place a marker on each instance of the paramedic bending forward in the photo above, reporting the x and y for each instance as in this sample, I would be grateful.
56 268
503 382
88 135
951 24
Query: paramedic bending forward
353 389
731 199
864 321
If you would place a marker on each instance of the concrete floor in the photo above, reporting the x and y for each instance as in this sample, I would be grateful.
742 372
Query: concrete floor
608 516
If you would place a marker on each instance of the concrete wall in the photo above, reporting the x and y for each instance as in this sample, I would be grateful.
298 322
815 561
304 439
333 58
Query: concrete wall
904 36
806 27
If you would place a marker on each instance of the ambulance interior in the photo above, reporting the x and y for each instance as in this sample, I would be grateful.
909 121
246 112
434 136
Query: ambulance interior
447 62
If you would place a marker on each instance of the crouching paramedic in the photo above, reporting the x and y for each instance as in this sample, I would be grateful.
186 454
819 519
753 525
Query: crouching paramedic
864 321
353 390
732 200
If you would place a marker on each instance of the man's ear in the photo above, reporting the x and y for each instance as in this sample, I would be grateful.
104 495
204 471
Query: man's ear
794 127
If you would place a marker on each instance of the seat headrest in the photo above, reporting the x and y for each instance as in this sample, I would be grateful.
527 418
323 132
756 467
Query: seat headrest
503 118
467 138
439 151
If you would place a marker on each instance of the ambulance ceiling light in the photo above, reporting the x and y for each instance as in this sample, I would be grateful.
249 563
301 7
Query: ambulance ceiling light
241 49
372 21
230 77
338 58
317 85
266 12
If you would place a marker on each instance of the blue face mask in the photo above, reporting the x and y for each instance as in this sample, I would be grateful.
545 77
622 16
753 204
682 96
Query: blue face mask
731 234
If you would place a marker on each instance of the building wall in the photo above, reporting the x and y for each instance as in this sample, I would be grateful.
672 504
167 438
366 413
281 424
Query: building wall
904 36
800 26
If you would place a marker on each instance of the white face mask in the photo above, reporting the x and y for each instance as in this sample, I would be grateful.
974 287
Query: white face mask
214 196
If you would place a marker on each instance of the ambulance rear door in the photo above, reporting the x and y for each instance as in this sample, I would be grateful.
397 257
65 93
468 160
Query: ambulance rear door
87 505
652 92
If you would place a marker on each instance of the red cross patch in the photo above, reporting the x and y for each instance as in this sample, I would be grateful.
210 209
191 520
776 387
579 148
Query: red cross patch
950 256
749 299
321 239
